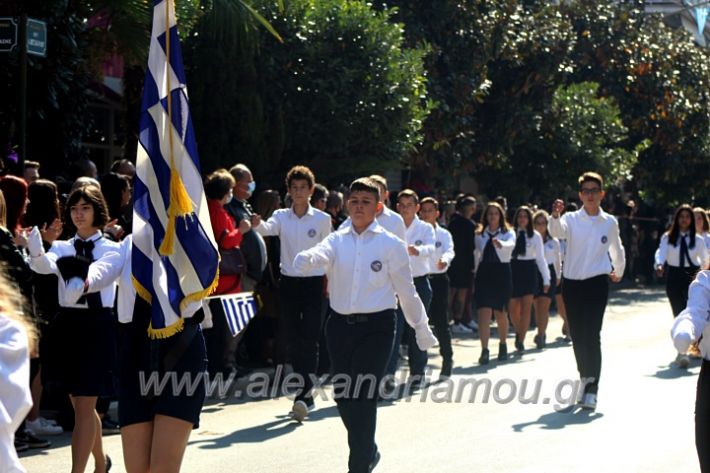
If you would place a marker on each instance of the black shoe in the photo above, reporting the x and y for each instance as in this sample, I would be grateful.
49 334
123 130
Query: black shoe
519 346
109 464
540 342
485 355
503 352
32 441
20 445
446 366
109 427
416 381
375 461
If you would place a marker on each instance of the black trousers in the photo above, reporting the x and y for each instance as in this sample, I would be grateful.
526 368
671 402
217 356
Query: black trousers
702 417
438 313
301 303
677 283
360 347
586 301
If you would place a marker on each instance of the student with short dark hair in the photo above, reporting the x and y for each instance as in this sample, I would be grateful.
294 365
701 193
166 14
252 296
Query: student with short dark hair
594 255
368 270
299 227
439 280
87 267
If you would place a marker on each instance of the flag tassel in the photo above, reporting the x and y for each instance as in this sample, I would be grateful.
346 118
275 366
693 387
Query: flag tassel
180 206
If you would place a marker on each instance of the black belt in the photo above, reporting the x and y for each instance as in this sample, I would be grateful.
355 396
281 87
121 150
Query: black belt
352 319
420 277
437 275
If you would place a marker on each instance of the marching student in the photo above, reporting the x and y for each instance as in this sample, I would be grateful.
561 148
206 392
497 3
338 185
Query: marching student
299 227
419 238
553 256
366 266
463 232
683 251
493 281
390 221
689 328
155 429
702 226
528 253
87 267
439 263
594 255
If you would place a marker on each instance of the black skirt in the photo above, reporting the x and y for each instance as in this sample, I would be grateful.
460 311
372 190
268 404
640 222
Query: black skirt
553 284
141 358
677 283
81 348
524 277
493 286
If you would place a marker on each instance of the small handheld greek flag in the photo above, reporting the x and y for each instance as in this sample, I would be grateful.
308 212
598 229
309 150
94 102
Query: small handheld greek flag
238 309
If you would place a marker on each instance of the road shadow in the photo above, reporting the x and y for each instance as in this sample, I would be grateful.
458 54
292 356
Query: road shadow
636 295
674 372
58 441
572 415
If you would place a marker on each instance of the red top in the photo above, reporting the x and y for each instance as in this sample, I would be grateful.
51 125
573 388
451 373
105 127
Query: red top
228 237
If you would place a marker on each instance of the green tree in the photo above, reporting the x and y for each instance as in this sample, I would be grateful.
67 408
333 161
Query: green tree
341 94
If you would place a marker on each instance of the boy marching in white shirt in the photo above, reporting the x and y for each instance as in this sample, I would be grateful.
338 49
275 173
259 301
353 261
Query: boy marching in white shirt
438 278
366 266
592 238
419 238
300 227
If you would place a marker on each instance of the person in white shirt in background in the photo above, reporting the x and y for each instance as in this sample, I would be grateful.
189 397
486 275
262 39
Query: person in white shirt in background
368 270
683 252
594 255
299 227
543 298
18 341
390 221
691 334
702 226
439 280
419 238
493 279
528 253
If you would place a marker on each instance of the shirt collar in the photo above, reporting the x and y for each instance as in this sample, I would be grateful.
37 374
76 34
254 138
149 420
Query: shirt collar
93 237
310 212
374 227
584 214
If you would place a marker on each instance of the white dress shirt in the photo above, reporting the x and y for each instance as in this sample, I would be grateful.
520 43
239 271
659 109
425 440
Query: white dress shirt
365 271
535 250
553 255
389 220
706 237
591 241
443 250
505 252
297 234
693 321
420 235
15 397
102 274
667 253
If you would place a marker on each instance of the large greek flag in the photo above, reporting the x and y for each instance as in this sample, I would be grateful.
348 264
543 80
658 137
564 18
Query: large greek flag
175 259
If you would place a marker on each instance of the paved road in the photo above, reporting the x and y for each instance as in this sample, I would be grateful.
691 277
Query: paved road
644 421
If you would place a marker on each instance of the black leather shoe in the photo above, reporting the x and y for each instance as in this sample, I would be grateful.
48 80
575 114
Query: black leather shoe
503 352
485 356
375 461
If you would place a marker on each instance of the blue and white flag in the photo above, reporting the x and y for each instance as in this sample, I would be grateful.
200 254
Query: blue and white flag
701 17
237 309
175 258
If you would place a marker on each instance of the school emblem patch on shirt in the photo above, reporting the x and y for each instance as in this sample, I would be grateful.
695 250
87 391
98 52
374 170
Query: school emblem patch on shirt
312 232
417 243
437 244
604 239
376 266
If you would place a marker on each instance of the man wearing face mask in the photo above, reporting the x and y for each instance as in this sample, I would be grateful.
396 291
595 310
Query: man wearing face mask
252 246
